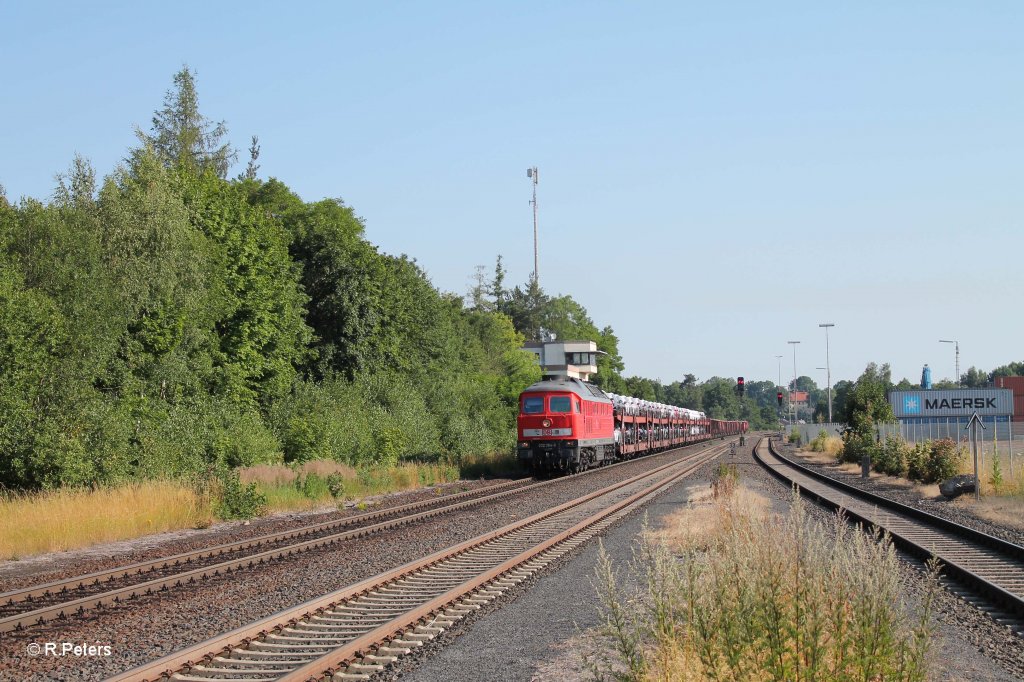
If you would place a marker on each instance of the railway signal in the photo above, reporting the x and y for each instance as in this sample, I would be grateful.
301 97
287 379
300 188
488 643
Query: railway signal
739 386
778 396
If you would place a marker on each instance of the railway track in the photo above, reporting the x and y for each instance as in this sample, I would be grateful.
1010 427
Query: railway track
39 604
990 566
356 631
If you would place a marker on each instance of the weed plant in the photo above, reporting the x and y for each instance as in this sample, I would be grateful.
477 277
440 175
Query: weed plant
761 598
829 445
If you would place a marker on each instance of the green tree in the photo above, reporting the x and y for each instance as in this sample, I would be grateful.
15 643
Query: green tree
263 336
975 378
1013 369
866 403
182 137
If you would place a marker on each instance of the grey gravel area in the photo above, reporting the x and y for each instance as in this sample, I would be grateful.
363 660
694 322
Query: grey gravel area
897 490
541 631
151 626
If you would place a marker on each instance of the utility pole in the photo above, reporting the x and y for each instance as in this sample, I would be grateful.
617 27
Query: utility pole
828 370
793 343
533 175
779 358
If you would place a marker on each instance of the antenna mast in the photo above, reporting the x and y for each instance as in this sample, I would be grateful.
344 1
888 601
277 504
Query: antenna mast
533 175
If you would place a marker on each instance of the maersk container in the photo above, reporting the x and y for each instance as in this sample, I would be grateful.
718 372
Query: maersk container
956 403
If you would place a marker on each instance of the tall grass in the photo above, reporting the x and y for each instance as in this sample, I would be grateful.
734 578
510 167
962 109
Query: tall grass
755 597
830 445
501 465
73 518
323 482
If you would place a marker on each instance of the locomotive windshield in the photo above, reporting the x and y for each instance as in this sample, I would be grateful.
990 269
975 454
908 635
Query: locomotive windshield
561 403
533 405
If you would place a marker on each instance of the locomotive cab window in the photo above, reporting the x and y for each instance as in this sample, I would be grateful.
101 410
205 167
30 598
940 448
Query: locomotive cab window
560 403
533 405
576 403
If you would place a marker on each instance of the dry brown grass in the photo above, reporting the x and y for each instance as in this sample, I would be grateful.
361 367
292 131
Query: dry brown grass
727 589
284 489
72 518
815 457
1007 511
326 467
705 517
268 474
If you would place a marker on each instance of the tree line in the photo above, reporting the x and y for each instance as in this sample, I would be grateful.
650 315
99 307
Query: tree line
169 321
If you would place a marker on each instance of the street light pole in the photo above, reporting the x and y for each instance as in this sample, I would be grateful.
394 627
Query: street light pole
534 176
793 343
957 345
779 358
828 369
816 407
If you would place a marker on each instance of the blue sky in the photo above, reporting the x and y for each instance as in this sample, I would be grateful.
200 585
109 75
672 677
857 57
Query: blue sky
715 178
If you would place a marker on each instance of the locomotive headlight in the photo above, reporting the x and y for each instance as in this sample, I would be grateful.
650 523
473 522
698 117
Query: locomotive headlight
546 423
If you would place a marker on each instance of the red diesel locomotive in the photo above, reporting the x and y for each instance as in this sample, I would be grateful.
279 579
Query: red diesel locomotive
570 425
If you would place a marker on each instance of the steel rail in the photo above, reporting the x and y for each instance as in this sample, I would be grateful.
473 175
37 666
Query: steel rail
399 516
991 566
324 609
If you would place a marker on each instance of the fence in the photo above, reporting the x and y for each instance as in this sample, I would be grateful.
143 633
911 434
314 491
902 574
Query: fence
998 438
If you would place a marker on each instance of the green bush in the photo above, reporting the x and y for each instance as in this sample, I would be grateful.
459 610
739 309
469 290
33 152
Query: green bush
336 485
917 461
313 486
856 446
890 456
794 436
944 458
933 461
237 501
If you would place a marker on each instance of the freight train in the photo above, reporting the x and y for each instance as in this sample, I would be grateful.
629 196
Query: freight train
569 425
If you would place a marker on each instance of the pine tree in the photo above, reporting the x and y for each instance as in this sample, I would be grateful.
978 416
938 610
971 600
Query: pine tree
254 154
182 137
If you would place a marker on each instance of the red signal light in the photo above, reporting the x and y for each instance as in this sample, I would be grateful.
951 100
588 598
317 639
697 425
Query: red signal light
778 396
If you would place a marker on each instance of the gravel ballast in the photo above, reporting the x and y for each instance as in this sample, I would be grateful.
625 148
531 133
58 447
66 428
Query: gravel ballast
539 633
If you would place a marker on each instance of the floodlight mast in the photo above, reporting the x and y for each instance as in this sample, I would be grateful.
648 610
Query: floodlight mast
956 344
533 175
